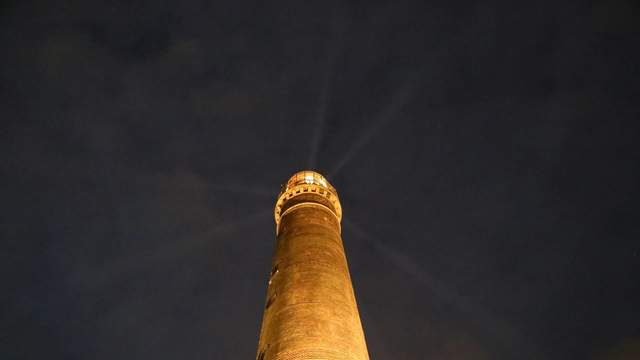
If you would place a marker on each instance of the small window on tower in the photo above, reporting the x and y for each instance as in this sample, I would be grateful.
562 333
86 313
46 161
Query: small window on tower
273 273
272 298
261 355
274 270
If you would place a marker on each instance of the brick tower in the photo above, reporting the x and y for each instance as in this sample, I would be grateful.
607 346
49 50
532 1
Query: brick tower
310 311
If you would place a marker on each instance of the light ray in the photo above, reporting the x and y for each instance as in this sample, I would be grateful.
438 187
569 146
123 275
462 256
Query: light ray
241 189
502 330
399 100
318 128
335 47
129 264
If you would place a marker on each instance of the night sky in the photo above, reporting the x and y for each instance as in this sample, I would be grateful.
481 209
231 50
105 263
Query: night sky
485 153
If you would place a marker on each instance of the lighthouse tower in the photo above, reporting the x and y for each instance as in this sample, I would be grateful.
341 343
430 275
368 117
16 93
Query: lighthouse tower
310 311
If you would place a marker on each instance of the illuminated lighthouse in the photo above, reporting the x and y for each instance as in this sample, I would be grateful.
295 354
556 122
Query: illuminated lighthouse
310 311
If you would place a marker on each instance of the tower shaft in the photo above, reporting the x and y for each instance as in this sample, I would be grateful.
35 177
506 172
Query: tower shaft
311 310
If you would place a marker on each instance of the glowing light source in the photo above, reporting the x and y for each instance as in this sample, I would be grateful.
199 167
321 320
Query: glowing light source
304 182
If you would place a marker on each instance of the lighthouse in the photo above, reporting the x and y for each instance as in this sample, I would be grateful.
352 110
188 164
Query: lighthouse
310 310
